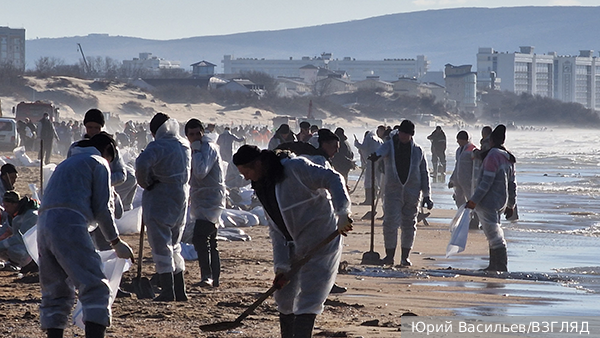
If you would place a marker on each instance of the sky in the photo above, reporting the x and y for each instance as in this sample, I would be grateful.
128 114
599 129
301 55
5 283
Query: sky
176 19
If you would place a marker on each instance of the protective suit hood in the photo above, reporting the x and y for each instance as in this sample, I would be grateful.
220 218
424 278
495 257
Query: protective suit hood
170 129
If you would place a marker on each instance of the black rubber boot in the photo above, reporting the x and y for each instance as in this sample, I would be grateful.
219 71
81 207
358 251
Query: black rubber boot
286 325
389 257
55 333
404 261
167 294
94 330
498 260
303 325
179 286
215 263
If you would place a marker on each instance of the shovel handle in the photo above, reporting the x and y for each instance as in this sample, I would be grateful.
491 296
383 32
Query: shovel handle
141 251
296 265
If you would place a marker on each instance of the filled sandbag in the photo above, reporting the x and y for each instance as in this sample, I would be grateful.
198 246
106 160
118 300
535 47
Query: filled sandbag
239 218
23 159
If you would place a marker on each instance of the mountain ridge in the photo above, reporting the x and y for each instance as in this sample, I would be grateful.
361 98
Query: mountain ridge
443 36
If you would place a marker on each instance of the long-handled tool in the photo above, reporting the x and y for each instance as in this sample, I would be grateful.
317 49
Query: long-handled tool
296 266
371 257
362 171
141 285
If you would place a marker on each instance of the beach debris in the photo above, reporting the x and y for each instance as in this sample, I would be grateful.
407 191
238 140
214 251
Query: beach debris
374 322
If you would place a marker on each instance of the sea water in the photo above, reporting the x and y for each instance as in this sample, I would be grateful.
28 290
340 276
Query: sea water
557 234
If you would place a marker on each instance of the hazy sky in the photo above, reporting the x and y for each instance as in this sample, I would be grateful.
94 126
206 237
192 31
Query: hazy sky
164 20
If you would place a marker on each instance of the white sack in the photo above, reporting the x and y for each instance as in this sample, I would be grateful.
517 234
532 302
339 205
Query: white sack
130 222
239 218
459 228
113 268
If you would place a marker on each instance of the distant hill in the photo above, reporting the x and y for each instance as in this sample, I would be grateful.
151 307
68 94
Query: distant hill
444 36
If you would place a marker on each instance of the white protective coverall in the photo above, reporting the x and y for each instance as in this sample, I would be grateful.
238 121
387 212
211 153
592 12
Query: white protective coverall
462 176
370 144
309 217
225 142
77 195
496 190
13 248
207 193
401 201
163 170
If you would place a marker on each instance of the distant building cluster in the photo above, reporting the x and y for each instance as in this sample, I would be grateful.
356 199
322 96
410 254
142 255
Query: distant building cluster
12 47
147 62
563 77
386 70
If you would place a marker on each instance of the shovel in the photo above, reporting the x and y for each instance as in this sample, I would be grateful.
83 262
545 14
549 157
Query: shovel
141 285
296 266
422 217
371 257
357 181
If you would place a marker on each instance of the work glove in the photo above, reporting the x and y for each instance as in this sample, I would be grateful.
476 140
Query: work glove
470 205
450 185
508 212
427 202
344 224
123 250
280 280
373 157
196 145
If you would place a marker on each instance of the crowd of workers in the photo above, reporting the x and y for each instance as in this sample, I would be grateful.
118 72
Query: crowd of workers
184 177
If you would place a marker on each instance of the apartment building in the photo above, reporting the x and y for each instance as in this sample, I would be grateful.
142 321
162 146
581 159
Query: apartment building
564 77
147 62
12 47
461 86
522 72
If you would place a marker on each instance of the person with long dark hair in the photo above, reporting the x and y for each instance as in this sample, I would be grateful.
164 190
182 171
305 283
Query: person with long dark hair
289 189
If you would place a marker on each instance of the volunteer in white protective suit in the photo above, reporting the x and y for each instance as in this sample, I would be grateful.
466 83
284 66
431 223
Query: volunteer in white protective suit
496 192
207 201
24 214
406 179
370 144
163 170
300 218
77 195
93 122
462 176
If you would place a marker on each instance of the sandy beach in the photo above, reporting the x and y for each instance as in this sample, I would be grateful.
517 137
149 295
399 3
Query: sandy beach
377 298
372 306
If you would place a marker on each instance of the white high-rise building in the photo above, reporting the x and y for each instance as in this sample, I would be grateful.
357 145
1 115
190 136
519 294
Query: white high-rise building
566 78
522 72
578 79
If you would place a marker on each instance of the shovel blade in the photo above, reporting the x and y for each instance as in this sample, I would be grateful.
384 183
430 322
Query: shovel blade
222 326
371 258
142 288
422 216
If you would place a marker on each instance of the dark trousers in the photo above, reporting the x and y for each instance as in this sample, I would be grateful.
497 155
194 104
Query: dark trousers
205 243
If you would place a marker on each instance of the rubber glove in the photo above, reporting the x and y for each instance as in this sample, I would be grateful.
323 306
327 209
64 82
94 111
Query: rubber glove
196 145
427 201
508 212
373 157
344 224
280 280
122 249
